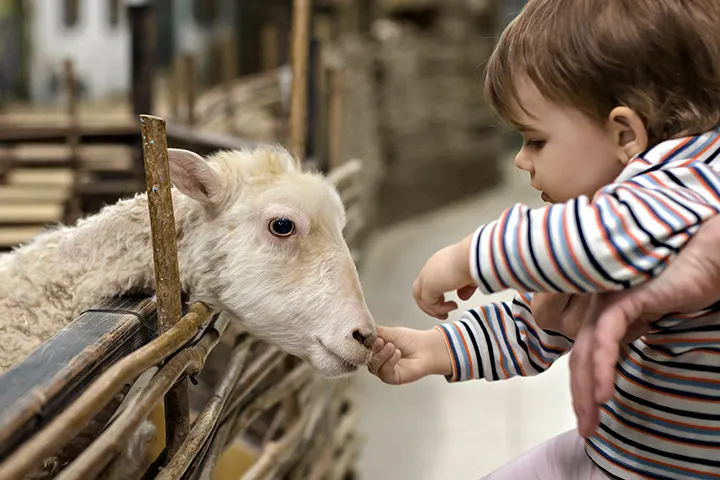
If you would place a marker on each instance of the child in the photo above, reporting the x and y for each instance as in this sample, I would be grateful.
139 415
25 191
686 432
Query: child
618 102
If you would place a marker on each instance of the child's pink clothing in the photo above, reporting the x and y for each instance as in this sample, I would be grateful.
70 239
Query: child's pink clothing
560 458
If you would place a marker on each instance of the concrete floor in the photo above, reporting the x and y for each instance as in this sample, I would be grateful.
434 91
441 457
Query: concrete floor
432 430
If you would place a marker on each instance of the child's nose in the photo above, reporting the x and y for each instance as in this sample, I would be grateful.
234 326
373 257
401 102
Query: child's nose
523 161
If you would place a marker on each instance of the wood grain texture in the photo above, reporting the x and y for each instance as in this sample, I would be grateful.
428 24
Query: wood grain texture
34 391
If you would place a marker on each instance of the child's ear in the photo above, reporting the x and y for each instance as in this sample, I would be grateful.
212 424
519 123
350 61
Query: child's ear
628 133
193 176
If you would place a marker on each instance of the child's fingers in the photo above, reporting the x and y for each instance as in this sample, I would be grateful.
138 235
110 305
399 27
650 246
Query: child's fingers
466 292
387 371
378 360
378 345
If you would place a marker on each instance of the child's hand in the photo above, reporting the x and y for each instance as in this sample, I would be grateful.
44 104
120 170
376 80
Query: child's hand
445 271
403 355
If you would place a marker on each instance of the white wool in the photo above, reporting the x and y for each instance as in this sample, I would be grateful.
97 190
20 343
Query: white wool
300 293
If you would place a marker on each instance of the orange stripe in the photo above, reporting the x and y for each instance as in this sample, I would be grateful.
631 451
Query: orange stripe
624 354
648 434
448 344
546 241
635 239
467 350
497 342
649 212
501 321
665 394
493 268
503 251
666 420
587 276
520 252
656 462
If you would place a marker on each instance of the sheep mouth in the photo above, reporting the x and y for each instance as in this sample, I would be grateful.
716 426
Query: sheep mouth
347 366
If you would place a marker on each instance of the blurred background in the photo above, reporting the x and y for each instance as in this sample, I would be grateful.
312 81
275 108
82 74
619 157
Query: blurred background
395 83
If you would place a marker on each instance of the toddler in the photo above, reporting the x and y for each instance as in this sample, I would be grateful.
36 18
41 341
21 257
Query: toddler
618 102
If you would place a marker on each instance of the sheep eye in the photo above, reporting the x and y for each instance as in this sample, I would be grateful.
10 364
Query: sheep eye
281 227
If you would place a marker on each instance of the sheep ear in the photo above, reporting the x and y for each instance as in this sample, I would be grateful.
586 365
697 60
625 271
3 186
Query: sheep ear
345 172
192 175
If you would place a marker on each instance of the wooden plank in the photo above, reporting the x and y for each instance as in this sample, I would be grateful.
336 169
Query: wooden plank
44 176
35 390
91 157
12 236
30 213
11 194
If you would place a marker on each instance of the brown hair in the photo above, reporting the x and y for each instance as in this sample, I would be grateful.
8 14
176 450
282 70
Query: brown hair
660 58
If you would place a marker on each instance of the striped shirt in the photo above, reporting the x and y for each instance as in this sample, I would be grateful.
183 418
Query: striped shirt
664 418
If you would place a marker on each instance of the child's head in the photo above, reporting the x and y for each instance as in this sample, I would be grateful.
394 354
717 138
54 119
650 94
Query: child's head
592 83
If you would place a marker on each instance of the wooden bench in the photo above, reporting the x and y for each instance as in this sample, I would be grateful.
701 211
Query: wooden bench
90 157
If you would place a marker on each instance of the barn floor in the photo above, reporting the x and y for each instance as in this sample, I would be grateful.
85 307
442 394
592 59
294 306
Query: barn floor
432 430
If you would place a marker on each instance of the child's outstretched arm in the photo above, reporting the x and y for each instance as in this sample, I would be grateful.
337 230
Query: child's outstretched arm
626 235
494 342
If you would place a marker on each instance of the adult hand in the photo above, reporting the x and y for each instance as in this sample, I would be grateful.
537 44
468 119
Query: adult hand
691 282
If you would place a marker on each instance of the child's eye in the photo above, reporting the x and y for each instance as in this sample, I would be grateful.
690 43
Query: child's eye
535 143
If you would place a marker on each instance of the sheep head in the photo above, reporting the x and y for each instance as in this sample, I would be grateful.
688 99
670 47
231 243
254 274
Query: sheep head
263 241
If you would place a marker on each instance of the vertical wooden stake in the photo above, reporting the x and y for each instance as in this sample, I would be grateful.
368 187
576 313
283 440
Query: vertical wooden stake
269 47
167 272
335 114
229 71
300 47
73 140
174 77
190 86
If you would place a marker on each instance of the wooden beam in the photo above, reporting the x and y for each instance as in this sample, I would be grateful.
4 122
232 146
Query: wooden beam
35 390
300 46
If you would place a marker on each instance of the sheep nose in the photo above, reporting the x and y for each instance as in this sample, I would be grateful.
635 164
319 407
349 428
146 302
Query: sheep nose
364 338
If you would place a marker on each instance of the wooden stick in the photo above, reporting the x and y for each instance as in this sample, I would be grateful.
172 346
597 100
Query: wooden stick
287 386
207 420
71 421
229 73
190 72
167 272
101 452
335 114
73 140
300 46
269 47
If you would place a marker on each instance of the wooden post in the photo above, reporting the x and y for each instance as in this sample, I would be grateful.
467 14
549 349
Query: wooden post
190 76
175 82
300 46
270 52
74 210
142 48
229 72
335 114
167 272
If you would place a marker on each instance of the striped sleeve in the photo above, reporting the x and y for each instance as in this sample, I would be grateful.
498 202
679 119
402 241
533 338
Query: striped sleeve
626 235
499 341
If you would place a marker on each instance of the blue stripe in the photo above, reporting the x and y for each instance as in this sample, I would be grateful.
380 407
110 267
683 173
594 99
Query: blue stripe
503 358
615 460
660 209
619 232
511 350
543 350
642 417
708 181
560 240
453 350
477 260
651 387
522 277
677 381
677 152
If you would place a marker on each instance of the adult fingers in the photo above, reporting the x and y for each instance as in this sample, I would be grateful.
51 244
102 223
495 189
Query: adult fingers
617 315
582 379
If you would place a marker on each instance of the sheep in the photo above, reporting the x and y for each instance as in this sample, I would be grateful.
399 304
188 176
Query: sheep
258 239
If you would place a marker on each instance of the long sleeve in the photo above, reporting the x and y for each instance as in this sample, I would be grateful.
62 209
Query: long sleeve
626 235
501 340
